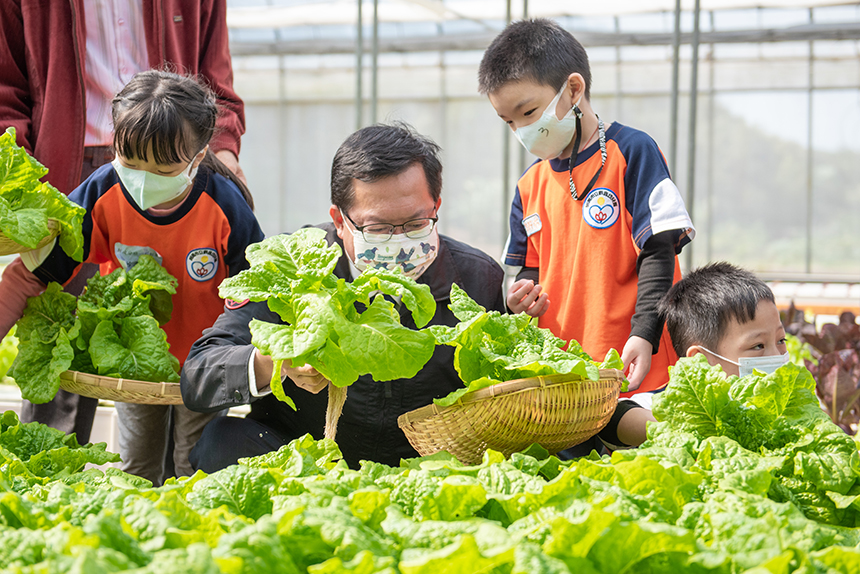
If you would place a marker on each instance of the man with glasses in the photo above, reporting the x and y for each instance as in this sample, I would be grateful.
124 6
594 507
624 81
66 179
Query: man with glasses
386 184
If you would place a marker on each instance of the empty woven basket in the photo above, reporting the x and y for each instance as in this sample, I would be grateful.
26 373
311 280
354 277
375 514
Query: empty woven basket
556 411
121 390
9 247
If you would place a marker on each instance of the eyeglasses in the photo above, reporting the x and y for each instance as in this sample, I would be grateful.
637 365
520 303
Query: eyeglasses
382 232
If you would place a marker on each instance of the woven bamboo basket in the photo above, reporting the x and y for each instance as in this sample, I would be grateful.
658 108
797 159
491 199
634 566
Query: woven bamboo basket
9 247
121 390
556 411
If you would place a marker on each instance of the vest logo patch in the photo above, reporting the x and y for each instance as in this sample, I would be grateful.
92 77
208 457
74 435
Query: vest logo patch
532 224
601 208
201 263
127 255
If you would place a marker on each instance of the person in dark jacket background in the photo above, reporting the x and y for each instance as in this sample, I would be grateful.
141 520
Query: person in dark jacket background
61 64
386 191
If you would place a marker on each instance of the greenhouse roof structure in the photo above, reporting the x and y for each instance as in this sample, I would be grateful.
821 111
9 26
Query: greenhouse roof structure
708 79
328 26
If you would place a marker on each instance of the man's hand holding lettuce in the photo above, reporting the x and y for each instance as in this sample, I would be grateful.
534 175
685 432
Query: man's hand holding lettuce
343 330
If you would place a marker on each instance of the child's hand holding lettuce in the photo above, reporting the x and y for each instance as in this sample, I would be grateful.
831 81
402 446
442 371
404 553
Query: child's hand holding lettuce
113 329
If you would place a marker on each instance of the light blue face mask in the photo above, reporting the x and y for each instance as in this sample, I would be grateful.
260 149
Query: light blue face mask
746 365
150 189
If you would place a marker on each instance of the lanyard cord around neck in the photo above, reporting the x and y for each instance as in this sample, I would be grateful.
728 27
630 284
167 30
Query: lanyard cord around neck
602 139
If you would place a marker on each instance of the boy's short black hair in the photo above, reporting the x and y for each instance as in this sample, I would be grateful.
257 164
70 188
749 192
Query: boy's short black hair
379 151
698 308
537 50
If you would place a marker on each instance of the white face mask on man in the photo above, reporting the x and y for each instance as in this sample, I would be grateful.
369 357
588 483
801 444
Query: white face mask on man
548 136
412 256
746 365
150 189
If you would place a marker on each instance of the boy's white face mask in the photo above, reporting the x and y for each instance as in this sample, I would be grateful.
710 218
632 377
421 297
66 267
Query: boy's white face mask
767 364
150 189
548 136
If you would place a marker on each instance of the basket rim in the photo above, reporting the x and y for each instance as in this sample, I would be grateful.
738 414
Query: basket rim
121 385
506 388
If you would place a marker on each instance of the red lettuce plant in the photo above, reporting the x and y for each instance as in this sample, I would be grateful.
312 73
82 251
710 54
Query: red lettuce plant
835 349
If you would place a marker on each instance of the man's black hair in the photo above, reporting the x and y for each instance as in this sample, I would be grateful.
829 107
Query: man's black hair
537 50
699 307
379 151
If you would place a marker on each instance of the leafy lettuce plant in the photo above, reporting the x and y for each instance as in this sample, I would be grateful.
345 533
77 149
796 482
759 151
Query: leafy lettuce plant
492 348
113 329
775 421
343 330
302 509
43 453
26 204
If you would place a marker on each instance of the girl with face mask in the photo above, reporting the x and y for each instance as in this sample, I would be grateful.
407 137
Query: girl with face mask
166 195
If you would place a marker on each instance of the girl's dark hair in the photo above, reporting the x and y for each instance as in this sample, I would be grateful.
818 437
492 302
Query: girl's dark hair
379 151
173 113
698 308
537 50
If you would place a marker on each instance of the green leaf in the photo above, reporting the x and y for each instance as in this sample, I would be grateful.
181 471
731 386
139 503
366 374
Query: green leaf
416 297
260 283
139 350
240 489
151 282
303 456
455 396
491 347
461 556
363 563
323 326
380 346
26 203
463 306
46 315
195 559
303 254
696 393
45 331
831 461
839 559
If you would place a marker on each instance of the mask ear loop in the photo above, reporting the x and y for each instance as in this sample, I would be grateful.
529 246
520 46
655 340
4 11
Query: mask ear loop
719 356
602 139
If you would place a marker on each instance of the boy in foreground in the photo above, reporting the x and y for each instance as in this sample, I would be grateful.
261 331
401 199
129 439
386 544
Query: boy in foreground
728 314
597 222
720 310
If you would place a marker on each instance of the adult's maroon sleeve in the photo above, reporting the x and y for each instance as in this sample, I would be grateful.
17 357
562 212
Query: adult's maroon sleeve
216 66
15 99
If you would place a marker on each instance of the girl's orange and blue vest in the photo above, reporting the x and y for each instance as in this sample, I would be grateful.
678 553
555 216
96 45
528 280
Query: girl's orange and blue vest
200 244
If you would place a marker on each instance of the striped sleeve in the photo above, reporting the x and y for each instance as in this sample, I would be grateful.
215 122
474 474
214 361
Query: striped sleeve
652 198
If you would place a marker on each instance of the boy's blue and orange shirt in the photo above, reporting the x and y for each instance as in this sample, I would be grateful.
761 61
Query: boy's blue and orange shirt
200 244
586 251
